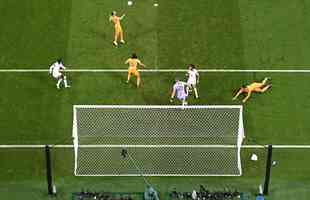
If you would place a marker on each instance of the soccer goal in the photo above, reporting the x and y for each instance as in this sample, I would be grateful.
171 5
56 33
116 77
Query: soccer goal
163 140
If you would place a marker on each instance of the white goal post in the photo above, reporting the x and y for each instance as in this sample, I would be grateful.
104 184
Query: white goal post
162 140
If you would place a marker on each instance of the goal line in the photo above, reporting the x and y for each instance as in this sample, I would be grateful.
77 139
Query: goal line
163 70
63 146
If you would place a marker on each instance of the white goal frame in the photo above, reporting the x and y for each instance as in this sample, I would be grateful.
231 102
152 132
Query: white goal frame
77 146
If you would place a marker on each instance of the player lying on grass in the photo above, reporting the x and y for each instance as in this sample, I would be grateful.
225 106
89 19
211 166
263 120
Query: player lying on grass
133 68
179 90
253 87
57 71
118 31
193 80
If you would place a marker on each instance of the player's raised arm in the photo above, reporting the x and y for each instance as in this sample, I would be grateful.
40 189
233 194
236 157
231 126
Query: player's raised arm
238 93
172 95
122 17
141 64
62 66
198 77
51 69
127 61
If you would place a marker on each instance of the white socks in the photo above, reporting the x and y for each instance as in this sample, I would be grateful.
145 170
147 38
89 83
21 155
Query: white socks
65 82
188 90
58 83
196 93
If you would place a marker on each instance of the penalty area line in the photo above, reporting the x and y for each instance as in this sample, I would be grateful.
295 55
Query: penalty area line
163 70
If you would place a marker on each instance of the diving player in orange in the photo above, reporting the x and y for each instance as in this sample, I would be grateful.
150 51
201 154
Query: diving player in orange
118 34
253 87
133 68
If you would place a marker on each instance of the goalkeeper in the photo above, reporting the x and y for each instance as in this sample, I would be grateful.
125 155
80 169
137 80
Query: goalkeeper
260 87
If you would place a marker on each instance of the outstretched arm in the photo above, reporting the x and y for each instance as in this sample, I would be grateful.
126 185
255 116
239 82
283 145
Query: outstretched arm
122 16
247 97
62 66
172 95
238 93
197 78
141 64
51 69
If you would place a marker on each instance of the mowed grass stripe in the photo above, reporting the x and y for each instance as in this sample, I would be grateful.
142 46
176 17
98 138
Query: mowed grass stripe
33 31
44 114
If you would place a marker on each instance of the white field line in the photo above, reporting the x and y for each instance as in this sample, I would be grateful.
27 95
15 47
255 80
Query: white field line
163 70
157 175
160 146
158 106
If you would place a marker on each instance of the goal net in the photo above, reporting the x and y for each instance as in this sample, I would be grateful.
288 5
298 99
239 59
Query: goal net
162 140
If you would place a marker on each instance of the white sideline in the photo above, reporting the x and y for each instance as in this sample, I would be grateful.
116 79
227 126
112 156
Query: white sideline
206 146
164 70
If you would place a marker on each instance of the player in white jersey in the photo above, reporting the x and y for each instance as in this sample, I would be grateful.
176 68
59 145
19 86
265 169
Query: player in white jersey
193 79
179 90
56 70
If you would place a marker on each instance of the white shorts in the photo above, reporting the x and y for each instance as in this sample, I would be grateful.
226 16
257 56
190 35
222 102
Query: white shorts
57 75
191 82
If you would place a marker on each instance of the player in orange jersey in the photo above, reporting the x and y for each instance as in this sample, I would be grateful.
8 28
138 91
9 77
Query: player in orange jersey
133 68
253 87
118 34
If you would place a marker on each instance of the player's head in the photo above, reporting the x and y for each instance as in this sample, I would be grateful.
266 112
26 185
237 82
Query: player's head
191 66
134 55
177 79
113 13
59 61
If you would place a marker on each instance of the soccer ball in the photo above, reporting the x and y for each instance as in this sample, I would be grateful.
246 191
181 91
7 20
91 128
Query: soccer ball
129 3
254 157
155 4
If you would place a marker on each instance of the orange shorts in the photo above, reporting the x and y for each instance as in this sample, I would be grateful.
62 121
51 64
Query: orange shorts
118 29
133 71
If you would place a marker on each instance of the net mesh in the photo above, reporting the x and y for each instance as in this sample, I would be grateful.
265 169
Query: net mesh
163 140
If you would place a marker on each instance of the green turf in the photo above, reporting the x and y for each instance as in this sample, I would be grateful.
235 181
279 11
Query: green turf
33 32
27 180
47 118
275 34
213 34
221 34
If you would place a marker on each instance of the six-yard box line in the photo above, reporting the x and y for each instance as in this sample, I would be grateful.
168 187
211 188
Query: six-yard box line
165 70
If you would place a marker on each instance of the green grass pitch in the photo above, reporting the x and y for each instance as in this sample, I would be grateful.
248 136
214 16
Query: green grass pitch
234 34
